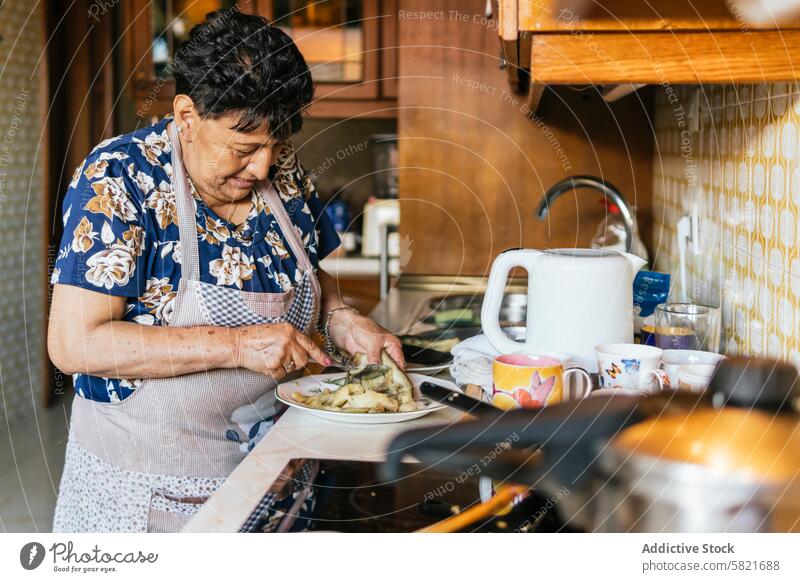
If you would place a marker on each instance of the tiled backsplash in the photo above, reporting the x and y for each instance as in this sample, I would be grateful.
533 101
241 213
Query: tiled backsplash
737 169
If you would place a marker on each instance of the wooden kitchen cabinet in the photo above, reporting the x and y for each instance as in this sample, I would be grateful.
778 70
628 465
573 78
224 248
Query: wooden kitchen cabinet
348 44
613 42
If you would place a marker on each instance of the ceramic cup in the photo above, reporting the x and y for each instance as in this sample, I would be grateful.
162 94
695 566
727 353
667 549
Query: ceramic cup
533 380
574 385
695 377
674 360
630 366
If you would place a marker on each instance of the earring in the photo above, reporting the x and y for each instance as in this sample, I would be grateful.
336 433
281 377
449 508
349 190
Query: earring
180 129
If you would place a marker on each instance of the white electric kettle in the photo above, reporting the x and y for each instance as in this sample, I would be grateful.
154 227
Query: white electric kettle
577 299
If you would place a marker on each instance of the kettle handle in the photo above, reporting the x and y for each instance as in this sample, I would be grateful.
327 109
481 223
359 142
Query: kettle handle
493 299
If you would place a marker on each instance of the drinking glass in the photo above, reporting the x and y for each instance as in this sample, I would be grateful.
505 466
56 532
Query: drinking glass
687 326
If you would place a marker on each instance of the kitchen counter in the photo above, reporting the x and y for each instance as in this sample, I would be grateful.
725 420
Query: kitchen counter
357 266
299 434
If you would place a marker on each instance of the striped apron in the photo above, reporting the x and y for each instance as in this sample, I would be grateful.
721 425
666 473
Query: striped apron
148 462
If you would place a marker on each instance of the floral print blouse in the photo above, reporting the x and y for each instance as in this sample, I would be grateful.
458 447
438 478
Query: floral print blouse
121 235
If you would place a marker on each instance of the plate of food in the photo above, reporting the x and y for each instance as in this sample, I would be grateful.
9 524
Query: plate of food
368 394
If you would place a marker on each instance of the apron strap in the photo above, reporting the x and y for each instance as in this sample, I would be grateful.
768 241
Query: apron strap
187 223
276 207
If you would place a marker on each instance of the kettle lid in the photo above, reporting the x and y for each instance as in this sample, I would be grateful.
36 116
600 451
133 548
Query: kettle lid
579 253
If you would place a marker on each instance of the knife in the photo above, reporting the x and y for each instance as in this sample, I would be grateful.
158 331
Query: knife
458 400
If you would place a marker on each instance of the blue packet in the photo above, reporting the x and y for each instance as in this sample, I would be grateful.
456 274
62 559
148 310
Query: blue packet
649 289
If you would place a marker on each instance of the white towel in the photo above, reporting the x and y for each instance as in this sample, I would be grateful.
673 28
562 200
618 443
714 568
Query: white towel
472 362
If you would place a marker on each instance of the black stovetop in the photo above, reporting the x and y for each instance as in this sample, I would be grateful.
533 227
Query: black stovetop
349 497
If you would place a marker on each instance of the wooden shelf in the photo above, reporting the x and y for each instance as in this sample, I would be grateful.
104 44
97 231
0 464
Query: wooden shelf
672 14
653 58
615 42
623 15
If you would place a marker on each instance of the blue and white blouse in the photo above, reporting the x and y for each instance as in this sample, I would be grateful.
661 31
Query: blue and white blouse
121 235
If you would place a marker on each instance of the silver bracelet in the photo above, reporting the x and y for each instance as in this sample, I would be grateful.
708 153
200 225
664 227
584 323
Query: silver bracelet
324 330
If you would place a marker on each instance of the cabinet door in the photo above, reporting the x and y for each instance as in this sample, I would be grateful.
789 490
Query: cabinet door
158 27
340 40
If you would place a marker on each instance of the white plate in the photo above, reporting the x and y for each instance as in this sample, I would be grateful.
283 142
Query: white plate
310 384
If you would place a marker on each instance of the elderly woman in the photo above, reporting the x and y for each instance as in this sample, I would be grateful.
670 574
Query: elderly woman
187 283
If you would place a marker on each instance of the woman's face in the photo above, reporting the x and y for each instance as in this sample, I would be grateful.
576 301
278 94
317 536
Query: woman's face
226 162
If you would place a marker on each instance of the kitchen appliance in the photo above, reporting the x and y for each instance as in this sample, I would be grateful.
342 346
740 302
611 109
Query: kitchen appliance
380 213
727 460
577 299
350 496
464 310
504 496
384 152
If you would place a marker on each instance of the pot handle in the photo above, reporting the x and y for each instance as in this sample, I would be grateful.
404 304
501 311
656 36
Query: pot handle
567 430
493 299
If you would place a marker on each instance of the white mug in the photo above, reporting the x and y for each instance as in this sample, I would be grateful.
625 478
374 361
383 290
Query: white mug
674 360
695 377
630 366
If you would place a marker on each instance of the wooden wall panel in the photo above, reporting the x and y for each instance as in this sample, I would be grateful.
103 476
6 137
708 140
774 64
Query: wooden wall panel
473 167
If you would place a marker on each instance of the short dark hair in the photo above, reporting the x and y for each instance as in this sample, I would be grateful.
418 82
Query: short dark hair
241 64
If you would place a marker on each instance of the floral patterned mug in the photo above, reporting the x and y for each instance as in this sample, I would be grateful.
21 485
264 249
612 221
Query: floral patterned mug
533 380
631 366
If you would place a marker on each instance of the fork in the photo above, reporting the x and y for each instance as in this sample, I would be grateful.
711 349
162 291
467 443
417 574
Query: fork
345 362
341 361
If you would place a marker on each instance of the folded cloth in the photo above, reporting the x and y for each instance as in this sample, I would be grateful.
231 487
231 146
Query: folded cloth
472 362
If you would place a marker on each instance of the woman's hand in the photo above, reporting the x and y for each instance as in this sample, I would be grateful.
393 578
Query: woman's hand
272 348
355 333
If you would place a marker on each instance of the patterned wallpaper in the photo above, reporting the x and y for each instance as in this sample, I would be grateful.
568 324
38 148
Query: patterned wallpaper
22 220
736 166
